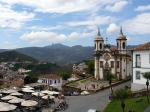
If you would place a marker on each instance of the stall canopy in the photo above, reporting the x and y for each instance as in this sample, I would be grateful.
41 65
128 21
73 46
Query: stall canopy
29 103
5 107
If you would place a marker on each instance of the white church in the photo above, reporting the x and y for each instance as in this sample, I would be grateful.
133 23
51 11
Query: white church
116 60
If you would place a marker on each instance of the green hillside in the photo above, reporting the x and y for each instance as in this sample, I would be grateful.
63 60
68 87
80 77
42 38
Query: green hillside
14 56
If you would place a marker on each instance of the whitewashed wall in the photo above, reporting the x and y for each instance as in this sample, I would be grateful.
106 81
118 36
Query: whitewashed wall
145 67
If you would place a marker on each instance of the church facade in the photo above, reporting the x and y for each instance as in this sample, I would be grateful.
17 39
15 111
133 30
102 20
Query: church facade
115 60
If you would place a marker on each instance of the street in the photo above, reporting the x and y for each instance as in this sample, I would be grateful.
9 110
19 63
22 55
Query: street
96 101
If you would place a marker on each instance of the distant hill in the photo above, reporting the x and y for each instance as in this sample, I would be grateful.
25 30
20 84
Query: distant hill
11 56
60 54
3 50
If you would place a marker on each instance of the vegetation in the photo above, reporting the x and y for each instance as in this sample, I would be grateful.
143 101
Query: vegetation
109 77
122 94
146 75
65 75
13 56
58 53
44 69
132 104
30 79
90 65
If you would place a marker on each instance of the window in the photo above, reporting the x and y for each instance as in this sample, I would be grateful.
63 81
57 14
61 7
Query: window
138 76
117 64
112 64
123 45
100 45
101 64
124 70
138 60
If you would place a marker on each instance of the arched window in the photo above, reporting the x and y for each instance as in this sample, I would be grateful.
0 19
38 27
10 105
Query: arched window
123 45
100 45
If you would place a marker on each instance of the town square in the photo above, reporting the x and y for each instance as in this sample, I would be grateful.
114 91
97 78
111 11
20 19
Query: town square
75 56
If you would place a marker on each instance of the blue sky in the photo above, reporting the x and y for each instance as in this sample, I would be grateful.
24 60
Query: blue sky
25 23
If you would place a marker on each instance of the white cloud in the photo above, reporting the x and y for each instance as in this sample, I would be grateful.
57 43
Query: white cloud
68 6
56 6
45 28
112 28
97 20
83 35
52 37
8 45
143 8
12 19
42 36
117 6
138 25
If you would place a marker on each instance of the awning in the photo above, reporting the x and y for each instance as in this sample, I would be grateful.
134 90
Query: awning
4 107
29 103
16 94
38 94
8 97
16 100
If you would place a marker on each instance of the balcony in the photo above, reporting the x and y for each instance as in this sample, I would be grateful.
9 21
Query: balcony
138 64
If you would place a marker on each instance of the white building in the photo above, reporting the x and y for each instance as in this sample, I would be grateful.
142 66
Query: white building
141 64
116 60
22 70
51 80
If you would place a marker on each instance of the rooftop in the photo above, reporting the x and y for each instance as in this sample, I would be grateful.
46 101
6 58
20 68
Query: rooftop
50 76
145 46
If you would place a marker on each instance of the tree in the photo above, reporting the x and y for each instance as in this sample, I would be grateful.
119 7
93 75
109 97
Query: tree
65 75
30 79
90 64
146 75
122 94
109 77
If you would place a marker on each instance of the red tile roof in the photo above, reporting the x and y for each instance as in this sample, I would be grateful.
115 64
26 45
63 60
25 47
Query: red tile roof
145 46
51 76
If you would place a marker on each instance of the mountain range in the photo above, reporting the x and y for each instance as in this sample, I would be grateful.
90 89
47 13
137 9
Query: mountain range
58 53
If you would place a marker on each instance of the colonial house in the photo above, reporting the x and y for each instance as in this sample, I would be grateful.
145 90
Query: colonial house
141 64
115 60
51 80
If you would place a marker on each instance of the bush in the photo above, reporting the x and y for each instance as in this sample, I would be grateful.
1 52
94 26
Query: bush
29 79
65 75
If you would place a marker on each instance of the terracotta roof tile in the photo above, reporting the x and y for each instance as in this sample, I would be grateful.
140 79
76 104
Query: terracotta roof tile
51 76
145 46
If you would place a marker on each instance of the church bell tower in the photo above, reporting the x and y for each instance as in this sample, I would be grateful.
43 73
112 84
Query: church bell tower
121 42
99 47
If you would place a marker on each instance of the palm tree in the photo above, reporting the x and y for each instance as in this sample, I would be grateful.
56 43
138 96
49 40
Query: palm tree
146 75
122 94
109 77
